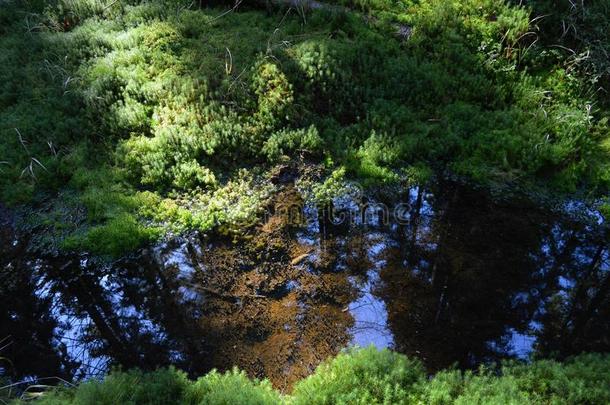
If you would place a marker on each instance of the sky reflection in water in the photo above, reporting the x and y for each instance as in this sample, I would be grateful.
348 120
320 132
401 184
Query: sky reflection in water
460 279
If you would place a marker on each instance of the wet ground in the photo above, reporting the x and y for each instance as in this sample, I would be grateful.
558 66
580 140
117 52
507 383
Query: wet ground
447 274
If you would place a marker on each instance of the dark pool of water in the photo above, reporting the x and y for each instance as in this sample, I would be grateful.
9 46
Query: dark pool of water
453 277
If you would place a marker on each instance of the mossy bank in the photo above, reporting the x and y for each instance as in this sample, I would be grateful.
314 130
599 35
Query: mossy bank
123 121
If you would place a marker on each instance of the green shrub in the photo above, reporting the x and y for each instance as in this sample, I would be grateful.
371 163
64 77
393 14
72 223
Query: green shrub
285 141
274 94
121 234
365 376
581 380
359 376
130 388
190 175
230 388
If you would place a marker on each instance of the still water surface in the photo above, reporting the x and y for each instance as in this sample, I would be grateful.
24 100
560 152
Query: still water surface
458 278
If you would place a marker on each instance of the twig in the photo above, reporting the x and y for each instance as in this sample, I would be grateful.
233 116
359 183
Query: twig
233 297
229 62
22 141
110 5
237 4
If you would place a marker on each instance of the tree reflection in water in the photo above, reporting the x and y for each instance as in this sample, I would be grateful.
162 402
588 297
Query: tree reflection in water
462 279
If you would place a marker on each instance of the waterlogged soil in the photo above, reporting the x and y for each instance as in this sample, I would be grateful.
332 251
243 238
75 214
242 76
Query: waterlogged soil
447 274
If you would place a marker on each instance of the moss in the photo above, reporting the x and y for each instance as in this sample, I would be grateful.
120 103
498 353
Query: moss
363 376
232 387
160 97
121 234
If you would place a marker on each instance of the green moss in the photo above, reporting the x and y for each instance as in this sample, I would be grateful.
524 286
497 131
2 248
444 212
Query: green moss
232 387
133 387
579 380
363 376
164 98
121 234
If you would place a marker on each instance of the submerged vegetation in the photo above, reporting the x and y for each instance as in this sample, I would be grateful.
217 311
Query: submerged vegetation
122 121
364 376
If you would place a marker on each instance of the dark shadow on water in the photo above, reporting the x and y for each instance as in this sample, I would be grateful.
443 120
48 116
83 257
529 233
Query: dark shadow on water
461 278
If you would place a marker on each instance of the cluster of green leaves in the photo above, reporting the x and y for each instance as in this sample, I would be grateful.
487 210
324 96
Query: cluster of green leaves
364 376
152 115
167 386
581 380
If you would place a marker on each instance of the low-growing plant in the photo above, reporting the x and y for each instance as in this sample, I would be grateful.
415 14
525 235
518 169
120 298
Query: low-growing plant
365 376
232 387
358 376
167 98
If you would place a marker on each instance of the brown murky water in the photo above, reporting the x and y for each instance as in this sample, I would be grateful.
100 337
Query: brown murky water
453 276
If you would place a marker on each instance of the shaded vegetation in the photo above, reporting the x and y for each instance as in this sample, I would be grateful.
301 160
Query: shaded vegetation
288 293
364 376
122 121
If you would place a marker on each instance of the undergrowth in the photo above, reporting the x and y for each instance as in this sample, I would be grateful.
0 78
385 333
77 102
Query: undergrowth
362 376
122 121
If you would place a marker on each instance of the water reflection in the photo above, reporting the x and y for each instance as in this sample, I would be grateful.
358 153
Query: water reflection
458 278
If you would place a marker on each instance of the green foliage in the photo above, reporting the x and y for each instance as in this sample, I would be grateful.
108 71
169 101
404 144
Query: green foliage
360 376
129 388
230 388
579 33
376 157
285 141
229 208
364 376
120 234
274 95
190 175
581 380
333 186
163 100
